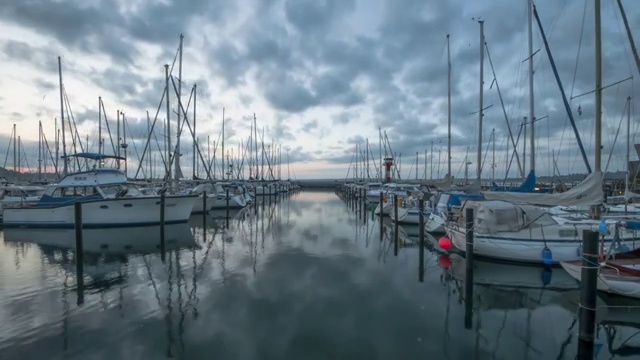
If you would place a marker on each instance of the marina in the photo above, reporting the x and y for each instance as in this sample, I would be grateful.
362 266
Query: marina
309 272
319 180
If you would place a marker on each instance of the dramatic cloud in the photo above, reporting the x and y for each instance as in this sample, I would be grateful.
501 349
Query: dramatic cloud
322 76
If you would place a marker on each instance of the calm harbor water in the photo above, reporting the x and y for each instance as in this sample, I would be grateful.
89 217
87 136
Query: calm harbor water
306 277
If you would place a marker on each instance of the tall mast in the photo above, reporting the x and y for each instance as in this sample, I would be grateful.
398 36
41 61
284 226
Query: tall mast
431 165
150 161
118 138
532 157
15 149
64 145
176 161
99 128
123 144
368 174
598 105
195 92
40 150
223 155
416 165
448 113
255 148
168 130
595 210
493 157
626 178
479 164
57 137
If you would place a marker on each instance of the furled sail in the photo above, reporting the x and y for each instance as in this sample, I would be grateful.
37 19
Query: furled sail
588 192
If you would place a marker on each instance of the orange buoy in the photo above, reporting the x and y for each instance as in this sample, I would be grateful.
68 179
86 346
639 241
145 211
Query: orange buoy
444 243
444 261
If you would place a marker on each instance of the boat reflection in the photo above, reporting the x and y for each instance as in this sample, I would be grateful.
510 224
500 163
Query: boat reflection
131 240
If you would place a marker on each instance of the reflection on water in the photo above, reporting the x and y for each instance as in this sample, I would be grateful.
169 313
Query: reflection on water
306 276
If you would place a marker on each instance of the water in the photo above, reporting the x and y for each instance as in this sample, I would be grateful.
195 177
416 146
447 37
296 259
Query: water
307 277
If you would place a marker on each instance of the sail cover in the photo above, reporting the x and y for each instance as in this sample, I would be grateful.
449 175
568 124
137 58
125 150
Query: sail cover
588 192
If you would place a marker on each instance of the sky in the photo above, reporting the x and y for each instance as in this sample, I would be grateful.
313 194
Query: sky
321 77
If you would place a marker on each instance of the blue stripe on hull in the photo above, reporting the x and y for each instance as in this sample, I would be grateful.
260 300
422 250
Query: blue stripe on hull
87 226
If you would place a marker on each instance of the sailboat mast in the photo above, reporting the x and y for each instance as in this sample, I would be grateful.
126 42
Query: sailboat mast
479 164
40 152
64 145
595 210
176 161
368 174
223 168
168 130
195 143
598 105
448 114
15 149
532 156
626 178
99 128
493 157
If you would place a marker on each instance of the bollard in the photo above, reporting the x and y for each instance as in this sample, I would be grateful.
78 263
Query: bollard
380 217
421 232
79 252
162 245
588 288
468 282
227 208
395 225
204 214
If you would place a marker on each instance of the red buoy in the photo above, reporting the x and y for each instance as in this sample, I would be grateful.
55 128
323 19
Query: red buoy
444 243
444 261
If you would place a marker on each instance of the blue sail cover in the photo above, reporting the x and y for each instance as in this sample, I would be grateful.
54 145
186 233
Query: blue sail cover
527 186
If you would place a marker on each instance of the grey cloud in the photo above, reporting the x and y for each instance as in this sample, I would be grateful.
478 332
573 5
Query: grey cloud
310 126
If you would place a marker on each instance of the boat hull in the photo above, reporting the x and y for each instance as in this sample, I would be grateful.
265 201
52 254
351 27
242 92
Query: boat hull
618 285
106 213
434 224
527 250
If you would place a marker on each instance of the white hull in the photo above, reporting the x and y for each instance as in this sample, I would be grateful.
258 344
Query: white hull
119 212
434 223
613 284
514 247
409 216
220 202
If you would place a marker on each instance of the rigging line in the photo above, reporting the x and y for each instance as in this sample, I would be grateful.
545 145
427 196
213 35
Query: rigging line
625 41
615 139
575 69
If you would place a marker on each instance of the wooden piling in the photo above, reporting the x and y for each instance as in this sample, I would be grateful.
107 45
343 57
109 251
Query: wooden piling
162 243
380 217
204 214
588 288
421 243
468 282
395 225
79 252
227 217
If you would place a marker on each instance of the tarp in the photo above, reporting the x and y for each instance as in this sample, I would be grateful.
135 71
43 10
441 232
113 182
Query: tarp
588 192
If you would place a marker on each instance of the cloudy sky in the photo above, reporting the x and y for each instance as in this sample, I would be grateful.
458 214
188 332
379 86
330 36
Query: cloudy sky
320 75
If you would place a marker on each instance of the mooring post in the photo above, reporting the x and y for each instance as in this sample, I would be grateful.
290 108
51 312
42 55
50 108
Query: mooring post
395 225
588 288
79 252
227 207
468 283
421 234
162 244
204 213
380 217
